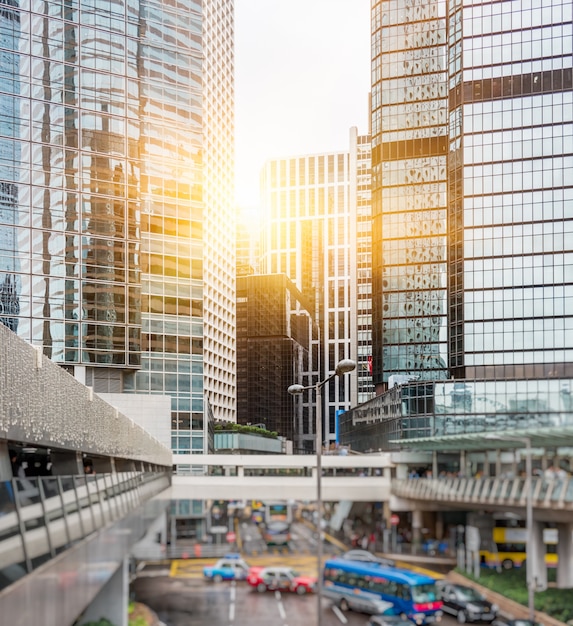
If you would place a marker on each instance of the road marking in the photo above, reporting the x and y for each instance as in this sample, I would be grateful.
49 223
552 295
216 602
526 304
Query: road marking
232 604
282 611
339 614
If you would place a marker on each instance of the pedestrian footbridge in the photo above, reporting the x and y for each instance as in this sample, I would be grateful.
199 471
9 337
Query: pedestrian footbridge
552 500
361 478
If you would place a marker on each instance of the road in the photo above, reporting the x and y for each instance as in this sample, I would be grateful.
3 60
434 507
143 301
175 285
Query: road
177 592
191 601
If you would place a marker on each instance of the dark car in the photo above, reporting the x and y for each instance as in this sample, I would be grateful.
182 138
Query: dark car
389 620
466 603
367 557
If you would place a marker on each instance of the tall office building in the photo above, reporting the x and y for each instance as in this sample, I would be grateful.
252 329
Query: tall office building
274 333
472 137
510 204
116 156
409 156
310 234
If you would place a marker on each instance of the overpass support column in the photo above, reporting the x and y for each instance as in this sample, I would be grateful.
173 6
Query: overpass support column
112 601
565 556
416 527
538 566
5 463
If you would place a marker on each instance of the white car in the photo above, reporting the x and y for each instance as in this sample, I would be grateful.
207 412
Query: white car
226 569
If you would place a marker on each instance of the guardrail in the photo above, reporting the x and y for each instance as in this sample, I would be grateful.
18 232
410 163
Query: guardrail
553 494
41 517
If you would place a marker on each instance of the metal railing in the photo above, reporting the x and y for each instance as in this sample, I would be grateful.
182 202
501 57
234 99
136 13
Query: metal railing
40 517
556 494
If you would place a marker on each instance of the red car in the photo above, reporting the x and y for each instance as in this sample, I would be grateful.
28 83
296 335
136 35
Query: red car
281 579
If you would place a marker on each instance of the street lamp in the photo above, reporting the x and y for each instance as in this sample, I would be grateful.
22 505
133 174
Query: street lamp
528 516
343 367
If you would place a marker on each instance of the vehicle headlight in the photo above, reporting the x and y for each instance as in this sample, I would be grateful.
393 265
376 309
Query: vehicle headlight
473 608
494 608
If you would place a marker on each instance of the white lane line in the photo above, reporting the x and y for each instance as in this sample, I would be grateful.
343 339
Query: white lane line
233 590
282 611
339 614
232 605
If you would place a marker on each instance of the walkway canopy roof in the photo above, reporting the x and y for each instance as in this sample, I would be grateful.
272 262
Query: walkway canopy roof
554 437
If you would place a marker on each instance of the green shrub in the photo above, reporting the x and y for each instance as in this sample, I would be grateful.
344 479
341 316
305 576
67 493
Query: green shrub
512 584
231 427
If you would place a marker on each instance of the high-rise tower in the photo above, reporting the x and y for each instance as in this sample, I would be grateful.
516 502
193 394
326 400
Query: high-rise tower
116 229
510 204
312 205
472 137
409 155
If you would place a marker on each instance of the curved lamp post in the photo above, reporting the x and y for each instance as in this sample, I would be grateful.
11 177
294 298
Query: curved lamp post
343 367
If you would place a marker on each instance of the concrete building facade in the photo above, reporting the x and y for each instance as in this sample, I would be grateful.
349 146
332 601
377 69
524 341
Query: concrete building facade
310 234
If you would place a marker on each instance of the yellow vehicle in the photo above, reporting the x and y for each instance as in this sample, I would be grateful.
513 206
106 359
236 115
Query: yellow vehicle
506 548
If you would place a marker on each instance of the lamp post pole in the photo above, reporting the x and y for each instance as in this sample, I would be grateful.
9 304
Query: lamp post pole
343 367
319 546
530 582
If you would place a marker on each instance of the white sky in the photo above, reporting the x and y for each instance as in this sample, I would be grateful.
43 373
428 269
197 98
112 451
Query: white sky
302 77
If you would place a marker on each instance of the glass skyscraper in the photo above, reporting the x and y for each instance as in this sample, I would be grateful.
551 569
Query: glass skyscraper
116 125
510 205
409 179
472 157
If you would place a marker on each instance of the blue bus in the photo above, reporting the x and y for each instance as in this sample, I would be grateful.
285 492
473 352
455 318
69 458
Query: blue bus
373 588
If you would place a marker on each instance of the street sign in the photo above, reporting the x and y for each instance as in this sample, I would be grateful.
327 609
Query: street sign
231 536
394 519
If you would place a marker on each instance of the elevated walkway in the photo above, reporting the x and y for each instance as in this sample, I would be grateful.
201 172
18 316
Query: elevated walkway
232 477
66 537
552 499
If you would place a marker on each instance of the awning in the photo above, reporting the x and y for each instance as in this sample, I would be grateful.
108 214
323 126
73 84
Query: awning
553 437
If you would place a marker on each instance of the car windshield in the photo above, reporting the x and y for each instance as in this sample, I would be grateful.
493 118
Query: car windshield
424 593
469 594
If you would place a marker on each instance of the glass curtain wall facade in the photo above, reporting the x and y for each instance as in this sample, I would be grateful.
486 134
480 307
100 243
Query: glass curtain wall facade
115 164
310 235
274 334
69 179
172 215
511 194
409 169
